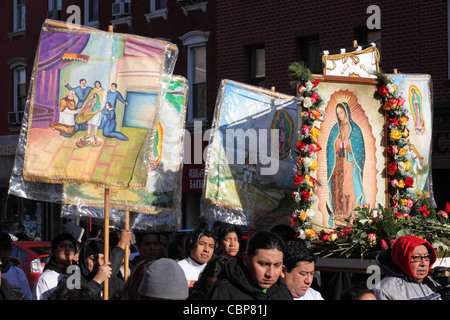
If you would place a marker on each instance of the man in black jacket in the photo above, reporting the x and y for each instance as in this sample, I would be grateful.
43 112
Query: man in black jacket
255 276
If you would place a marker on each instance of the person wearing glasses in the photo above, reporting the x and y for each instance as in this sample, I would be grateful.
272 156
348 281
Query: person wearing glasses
407 266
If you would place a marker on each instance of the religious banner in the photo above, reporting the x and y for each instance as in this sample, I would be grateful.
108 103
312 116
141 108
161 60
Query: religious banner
351 160
416 90
162 194
248 178
94 106
359 63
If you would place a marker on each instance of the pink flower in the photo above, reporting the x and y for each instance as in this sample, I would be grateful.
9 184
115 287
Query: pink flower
383 244
371 238
443 214
305 129
409 203
401 101
395 149
314 97
394 183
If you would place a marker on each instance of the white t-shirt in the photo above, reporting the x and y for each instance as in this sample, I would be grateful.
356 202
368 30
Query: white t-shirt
311 294
192 270
46 284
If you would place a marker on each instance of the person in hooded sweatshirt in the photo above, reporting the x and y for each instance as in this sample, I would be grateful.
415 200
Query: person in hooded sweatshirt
64 247
95 271
255 275
407 265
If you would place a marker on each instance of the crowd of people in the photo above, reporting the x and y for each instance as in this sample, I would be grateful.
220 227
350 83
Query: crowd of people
211 264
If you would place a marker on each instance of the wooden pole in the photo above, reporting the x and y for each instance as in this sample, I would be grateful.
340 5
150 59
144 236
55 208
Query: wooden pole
106 243
127 249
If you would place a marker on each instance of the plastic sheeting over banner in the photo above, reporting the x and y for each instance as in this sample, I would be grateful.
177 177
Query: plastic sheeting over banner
160 62
417 90
94 106
159 205
249 178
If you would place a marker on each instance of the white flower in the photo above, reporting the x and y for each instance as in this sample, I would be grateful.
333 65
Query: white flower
301 234
390 88
401 166
309 85
307 103
307 162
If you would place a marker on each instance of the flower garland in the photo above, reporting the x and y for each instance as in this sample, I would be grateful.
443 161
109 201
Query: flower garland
305 170
399 170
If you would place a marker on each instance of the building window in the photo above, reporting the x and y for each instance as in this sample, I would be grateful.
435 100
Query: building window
91 12
54 9
158 9
157 5
367 36
196 41
19 15
309 53
257 65
20 88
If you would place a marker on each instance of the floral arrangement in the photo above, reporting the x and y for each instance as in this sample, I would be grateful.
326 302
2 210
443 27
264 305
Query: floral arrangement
305 169
399 170
373 229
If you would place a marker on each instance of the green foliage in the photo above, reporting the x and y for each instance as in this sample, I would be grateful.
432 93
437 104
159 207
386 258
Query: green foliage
299 71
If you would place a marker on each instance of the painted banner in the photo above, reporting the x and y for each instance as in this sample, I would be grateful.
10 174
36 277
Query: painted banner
94 106
352 159
249 177
161 197
416 89
358 63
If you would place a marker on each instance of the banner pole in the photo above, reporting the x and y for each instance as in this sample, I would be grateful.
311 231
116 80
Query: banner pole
106 243
127 248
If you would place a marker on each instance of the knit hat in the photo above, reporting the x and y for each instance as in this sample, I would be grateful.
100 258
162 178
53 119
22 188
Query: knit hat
164 279
73 229
5 239
94 247
60 238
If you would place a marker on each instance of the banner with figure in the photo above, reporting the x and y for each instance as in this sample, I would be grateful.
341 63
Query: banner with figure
249 178
94 106
417 92
159 204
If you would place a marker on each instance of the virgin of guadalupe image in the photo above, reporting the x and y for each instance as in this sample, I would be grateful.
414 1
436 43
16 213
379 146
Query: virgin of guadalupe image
283 122
415 100
345 165
91 114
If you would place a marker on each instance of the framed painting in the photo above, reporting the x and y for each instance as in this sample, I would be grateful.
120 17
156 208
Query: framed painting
352 160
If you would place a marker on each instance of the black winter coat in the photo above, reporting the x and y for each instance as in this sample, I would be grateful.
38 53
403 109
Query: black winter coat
233 284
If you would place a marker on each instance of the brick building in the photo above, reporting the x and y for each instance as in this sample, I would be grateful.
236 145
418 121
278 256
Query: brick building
243 40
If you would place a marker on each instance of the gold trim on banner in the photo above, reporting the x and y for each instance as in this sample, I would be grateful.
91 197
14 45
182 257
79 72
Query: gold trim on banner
349 55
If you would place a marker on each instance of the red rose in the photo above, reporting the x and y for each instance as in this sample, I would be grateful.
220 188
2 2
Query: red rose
383 90
298 178
409 182
305 195
316 82
393 121
392 168
447 207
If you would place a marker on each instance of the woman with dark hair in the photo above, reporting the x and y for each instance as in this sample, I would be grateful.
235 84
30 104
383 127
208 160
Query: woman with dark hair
229 239
255 276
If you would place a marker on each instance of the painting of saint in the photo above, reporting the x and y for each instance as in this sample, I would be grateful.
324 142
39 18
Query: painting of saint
415 102
283 122
346 158
351 158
